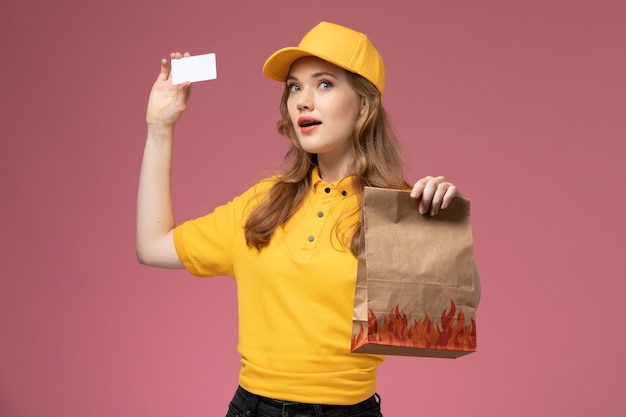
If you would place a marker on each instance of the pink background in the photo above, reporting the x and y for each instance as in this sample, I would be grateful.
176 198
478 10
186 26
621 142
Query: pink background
520 103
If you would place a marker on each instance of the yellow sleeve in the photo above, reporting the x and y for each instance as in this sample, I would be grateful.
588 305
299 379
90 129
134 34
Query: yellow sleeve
205 245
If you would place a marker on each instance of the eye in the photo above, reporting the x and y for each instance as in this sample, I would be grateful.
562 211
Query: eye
293 88
326 85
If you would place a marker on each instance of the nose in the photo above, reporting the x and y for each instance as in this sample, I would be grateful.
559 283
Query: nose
305 99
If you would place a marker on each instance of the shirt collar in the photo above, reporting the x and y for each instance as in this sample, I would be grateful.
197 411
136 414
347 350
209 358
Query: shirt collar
346 187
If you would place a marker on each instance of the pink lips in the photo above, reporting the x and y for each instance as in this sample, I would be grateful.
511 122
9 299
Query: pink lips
308 124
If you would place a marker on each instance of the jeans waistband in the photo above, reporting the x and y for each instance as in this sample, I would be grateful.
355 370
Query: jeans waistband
253 401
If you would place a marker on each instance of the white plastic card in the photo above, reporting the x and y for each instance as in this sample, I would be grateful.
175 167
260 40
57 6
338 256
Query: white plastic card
194 68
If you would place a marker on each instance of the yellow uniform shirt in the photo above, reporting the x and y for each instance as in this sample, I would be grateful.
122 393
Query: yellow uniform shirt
295 295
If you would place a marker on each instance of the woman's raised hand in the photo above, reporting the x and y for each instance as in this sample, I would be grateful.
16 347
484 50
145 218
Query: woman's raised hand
436 193
167 102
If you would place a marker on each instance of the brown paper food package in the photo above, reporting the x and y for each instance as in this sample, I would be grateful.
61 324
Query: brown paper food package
417 286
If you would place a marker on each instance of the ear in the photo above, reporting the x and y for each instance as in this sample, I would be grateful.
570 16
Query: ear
363 107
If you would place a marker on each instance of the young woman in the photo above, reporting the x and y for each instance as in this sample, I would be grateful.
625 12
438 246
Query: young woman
291 240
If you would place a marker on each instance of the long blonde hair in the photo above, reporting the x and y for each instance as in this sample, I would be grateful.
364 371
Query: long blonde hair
376 162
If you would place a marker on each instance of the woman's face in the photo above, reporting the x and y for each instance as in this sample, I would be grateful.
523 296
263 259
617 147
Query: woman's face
323 107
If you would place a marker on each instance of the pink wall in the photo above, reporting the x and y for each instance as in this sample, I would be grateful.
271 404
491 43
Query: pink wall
520 103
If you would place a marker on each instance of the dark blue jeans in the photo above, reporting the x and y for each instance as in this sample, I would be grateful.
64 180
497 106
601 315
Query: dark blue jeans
246 404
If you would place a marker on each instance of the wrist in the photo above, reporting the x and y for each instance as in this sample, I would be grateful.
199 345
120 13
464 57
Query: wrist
160 128
160 135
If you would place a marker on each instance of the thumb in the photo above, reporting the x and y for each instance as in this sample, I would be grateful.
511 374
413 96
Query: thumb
185 89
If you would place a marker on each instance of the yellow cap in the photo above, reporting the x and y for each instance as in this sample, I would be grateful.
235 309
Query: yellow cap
336 44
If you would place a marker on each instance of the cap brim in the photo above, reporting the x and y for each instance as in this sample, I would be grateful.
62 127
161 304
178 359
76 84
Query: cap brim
277 66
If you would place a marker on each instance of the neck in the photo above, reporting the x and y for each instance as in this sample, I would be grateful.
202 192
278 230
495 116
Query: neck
332 170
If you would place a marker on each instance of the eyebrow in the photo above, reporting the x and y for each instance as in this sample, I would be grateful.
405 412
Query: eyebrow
316 75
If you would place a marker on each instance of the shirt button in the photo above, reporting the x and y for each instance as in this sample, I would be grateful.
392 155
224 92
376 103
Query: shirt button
320 214
327 189
311 238
344 193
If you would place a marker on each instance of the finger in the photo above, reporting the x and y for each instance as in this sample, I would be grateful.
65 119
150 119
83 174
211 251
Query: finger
438 198
173 55
451 193
427 196
418 188
165 69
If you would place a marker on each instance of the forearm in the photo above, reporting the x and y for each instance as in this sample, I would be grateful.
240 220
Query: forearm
155 212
